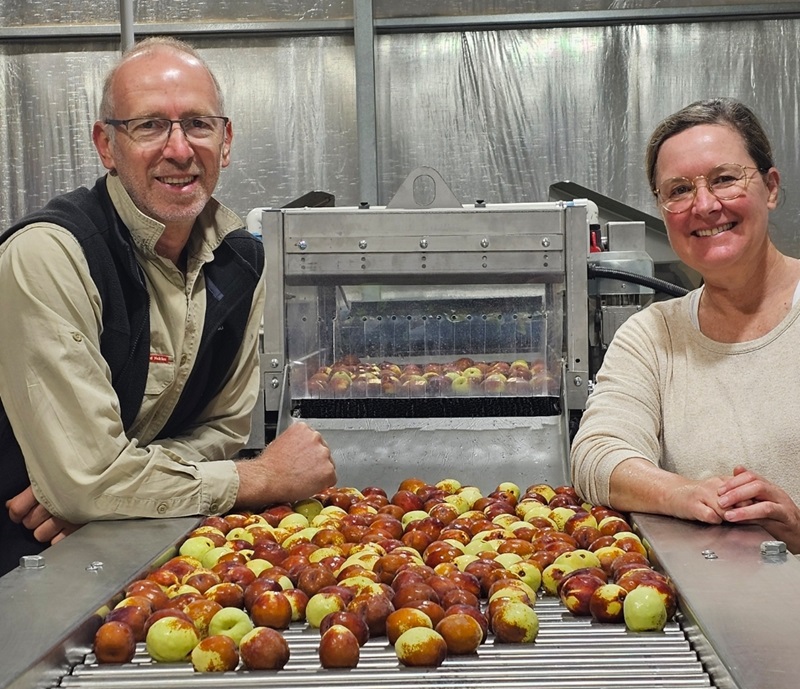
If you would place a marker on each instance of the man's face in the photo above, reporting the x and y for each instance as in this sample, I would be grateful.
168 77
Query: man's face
172 181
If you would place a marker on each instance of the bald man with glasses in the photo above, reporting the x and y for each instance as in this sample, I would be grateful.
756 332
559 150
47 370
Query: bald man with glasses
131 314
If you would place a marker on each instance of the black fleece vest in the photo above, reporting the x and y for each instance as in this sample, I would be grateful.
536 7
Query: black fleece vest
230 279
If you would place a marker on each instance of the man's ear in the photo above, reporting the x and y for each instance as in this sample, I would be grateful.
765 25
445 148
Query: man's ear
225 158
102 142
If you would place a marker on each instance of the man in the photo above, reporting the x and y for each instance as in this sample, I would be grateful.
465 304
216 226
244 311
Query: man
131 314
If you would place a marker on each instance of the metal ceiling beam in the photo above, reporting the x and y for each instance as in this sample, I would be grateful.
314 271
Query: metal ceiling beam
577 18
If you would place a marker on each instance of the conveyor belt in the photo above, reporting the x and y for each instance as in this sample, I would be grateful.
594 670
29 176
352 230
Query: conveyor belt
427 407
569 653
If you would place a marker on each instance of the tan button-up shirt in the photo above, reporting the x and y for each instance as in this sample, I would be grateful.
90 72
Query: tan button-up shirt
56 386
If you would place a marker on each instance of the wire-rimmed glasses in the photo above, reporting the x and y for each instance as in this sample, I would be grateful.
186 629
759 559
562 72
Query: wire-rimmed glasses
726 182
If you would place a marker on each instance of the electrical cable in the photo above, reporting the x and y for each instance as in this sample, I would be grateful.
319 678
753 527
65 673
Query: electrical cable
644 280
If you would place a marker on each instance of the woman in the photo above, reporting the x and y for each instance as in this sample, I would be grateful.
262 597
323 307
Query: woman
694 412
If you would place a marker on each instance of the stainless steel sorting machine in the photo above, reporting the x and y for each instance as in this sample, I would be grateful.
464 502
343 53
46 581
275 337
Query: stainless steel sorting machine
396 296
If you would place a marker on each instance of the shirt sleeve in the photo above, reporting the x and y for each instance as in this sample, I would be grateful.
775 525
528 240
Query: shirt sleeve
56 389
623 414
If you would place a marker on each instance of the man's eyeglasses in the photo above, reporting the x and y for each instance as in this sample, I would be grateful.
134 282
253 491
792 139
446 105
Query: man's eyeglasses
727 182
152 131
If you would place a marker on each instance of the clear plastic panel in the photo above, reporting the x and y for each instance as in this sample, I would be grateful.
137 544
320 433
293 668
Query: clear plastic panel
425 341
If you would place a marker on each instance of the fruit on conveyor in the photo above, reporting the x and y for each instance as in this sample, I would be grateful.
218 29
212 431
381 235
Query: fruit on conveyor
421 647
171 639
215 654
462 633
263 648
436 569
349 377
338 648
114 642
644 610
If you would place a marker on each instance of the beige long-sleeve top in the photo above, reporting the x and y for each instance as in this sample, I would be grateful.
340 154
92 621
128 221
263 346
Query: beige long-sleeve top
671 395
56 387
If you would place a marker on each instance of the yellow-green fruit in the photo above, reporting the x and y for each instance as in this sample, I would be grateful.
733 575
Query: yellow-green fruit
578 559
309 508
196 546
258 565
421 647
560 515
510 487
171 639
470 493
460 502
212 556
508 559
554 573
449 485
295 520
528 573
232 622
515 622
413 516
644 610
240 533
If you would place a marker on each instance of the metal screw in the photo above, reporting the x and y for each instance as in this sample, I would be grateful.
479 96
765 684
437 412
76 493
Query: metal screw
273 363
302 245
545 242
773 547
96 566
423 243
485 243
31 562
362 244
709 555
578 381
274 383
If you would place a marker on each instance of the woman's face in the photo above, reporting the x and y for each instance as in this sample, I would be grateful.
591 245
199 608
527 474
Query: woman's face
716 237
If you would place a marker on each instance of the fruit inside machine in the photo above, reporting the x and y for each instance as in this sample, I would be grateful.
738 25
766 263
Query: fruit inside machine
436 337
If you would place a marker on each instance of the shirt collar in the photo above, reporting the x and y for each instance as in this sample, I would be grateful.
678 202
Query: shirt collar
212 225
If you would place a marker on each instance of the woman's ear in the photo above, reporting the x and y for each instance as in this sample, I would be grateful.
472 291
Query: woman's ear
773 182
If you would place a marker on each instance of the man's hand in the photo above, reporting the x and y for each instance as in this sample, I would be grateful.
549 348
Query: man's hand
751 499
296 465
25 509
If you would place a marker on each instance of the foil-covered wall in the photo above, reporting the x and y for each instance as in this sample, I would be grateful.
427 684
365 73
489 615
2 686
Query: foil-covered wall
501 113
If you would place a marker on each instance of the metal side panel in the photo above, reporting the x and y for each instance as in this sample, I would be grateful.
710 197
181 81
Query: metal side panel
476 451
743 603
47 619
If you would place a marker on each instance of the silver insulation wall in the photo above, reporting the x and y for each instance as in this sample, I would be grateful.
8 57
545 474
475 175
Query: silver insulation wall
502 98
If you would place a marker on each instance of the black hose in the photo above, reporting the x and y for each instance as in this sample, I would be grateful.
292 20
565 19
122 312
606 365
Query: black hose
645 280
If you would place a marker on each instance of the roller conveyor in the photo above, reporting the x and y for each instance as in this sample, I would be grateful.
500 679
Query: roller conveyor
569 652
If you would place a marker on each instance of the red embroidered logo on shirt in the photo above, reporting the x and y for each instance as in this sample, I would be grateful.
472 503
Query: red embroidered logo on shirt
160 358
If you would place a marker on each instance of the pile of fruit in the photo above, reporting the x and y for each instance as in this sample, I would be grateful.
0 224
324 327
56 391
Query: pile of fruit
436 569
350 377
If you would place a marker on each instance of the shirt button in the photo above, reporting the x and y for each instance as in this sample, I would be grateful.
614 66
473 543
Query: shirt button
77 337
162 508
214 508
183 359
